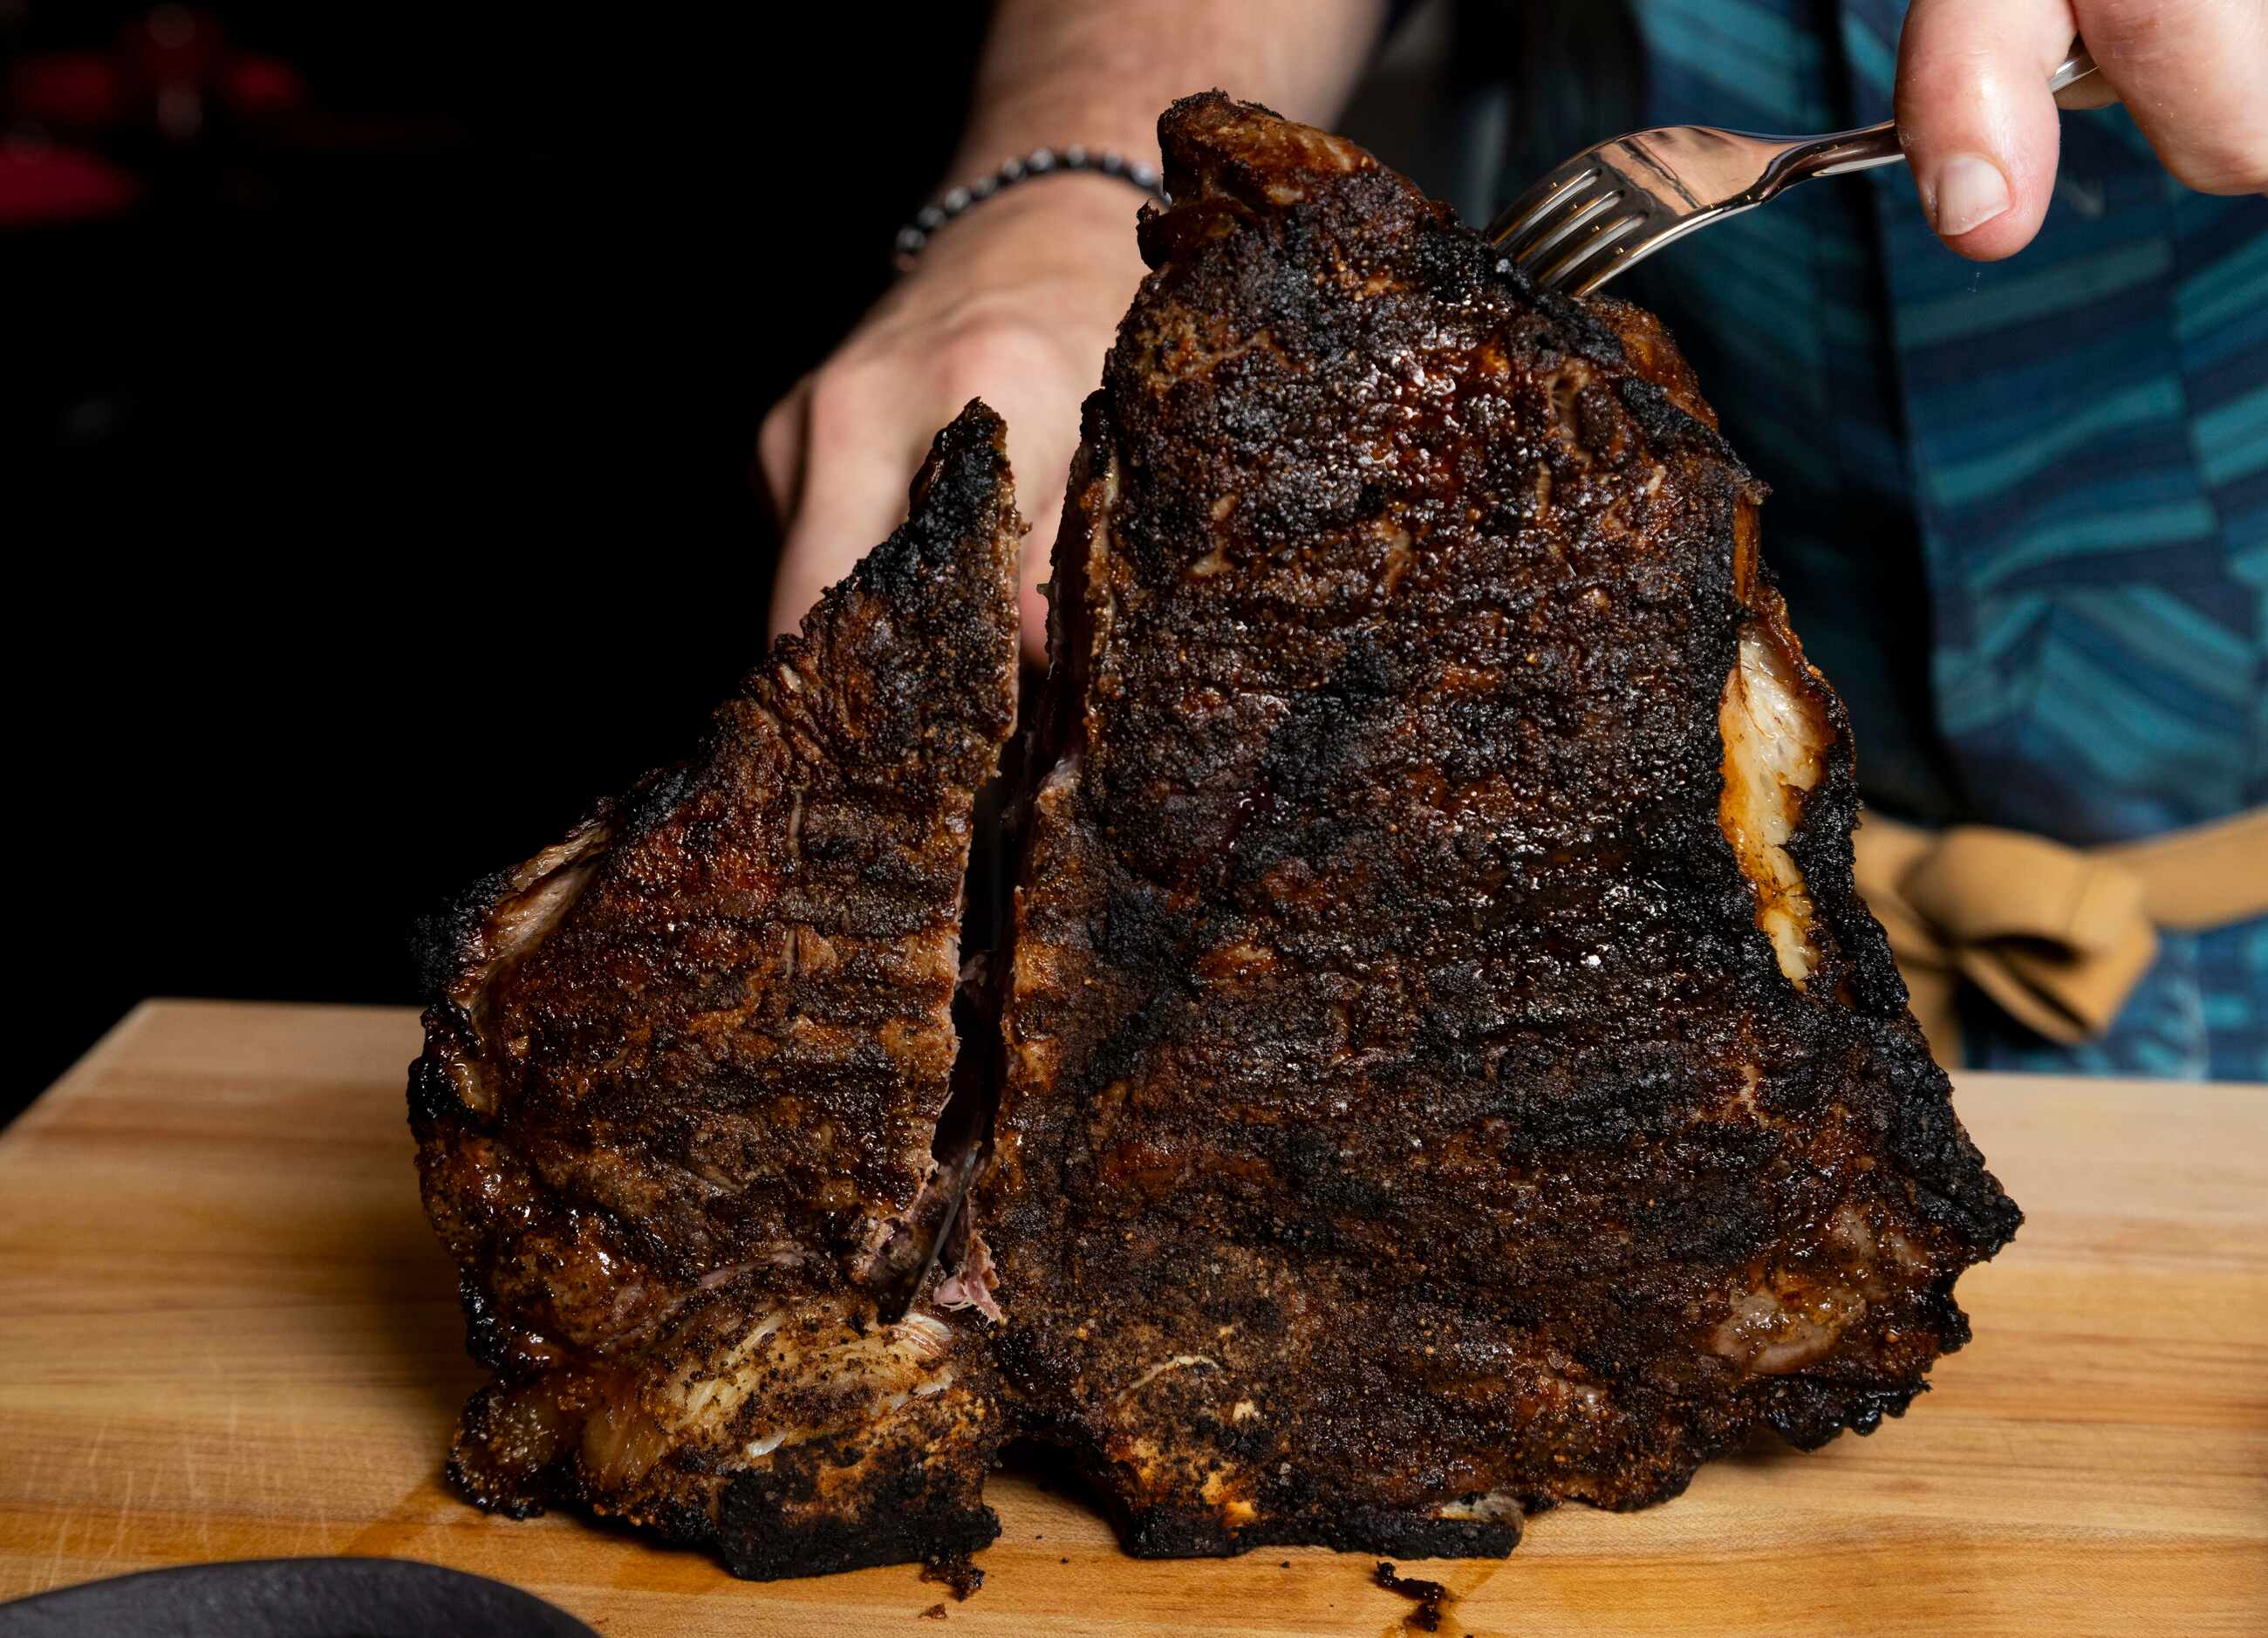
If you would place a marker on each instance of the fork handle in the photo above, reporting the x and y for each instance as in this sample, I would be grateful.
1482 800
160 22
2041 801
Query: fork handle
1839 155
1873 146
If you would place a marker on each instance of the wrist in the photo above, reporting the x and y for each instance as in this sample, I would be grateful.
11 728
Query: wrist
1075 223
1056 116
1020 176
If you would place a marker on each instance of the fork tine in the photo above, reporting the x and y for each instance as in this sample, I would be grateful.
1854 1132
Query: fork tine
1614 261
1618 202
1587 214
1532 208
1610 237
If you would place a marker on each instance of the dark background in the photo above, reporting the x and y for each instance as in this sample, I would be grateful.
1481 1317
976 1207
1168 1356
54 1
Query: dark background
385 488
380 469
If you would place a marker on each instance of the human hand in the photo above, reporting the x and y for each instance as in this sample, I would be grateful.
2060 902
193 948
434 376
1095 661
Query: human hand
1015 303
1980 128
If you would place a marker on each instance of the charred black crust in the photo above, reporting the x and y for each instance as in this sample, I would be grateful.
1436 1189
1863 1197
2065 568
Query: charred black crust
923 1512
1670 427
960 494
621 1101
1482 1286
1810 1414
1249 866
1951 1186
484 1337
443 942
433 1099
1167 1534
957 496
464 1472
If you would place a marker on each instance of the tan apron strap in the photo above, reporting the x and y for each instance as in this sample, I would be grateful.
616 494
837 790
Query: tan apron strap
2057 936
2206 876
1883 850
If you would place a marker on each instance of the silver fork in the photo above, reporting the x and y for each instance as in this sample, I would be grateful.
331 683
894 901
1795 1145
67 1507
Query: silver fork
1611 207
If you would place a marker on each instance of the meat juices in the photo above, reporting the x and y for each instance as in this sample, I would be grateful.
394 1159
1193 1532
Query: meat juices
1442 1066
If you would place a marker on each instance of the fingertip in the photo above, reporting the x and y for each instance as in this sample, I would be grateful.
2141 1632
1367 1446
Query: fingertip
1981 206
1989 245
1974 209
1977 123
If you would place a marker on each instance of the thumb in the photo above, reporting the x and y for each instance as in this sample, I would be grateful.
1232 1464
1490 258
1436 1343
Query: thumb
1977 120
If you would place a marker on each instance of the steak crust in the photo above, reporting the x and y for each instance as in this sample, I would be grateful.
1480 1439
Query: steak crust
1448 1069
683 1074
1444 1067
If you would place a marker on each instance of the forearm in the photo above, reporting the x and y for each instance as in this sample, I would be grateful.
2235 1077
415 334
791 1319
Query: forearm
1061 71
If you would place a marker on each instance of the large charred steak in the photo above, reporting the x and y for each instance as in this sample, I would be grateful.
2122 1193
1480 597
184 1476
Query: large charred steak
1443 1066
682 1076
1449 1070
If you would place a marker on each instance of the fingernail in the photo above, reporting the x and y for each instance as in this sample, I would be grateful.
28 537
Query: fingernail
1971 192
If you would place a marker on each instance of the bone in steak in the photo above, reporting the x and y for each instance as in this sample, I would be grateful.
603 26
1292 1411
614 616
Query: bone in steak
683 1073
1443 1067
1449 1070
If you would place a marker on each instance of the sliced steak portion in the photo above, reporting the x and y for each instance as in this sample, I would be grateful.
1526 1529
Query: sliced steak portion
1449 1070
682 1076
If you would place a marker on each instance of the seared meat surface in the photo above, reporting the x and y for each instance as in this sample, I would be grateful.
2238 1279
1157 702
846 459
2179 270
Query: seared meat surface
1448 1070
1442 1066
682 1076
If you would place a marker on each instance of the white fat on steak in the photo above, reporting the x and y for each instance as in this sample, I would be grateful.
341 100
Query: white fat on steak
1775 740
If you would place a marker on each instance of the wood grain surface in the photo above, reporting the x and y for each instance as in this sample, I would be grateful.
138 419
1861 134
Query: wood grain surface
225 1333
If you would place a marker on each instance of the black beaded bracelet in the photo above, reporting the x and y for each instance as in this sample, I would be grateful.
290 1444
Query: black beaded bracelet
915 234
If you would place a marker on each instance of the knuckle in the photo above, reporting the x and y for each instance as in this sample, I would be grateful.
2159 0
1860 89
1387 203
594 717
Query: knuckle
843 403
1930 84
973 352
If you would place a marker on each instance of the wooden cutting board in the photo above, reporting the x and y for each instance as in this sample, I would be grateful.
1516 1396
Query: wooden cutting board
225 1333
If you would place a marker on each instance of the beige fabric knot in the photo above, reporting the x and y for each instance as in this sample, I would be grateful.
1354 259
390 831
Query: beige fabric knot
2057 936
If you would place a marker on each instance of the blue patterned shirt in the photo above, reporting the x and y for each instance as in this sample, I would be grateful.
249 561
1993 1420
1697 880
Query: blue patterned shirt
2020 510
